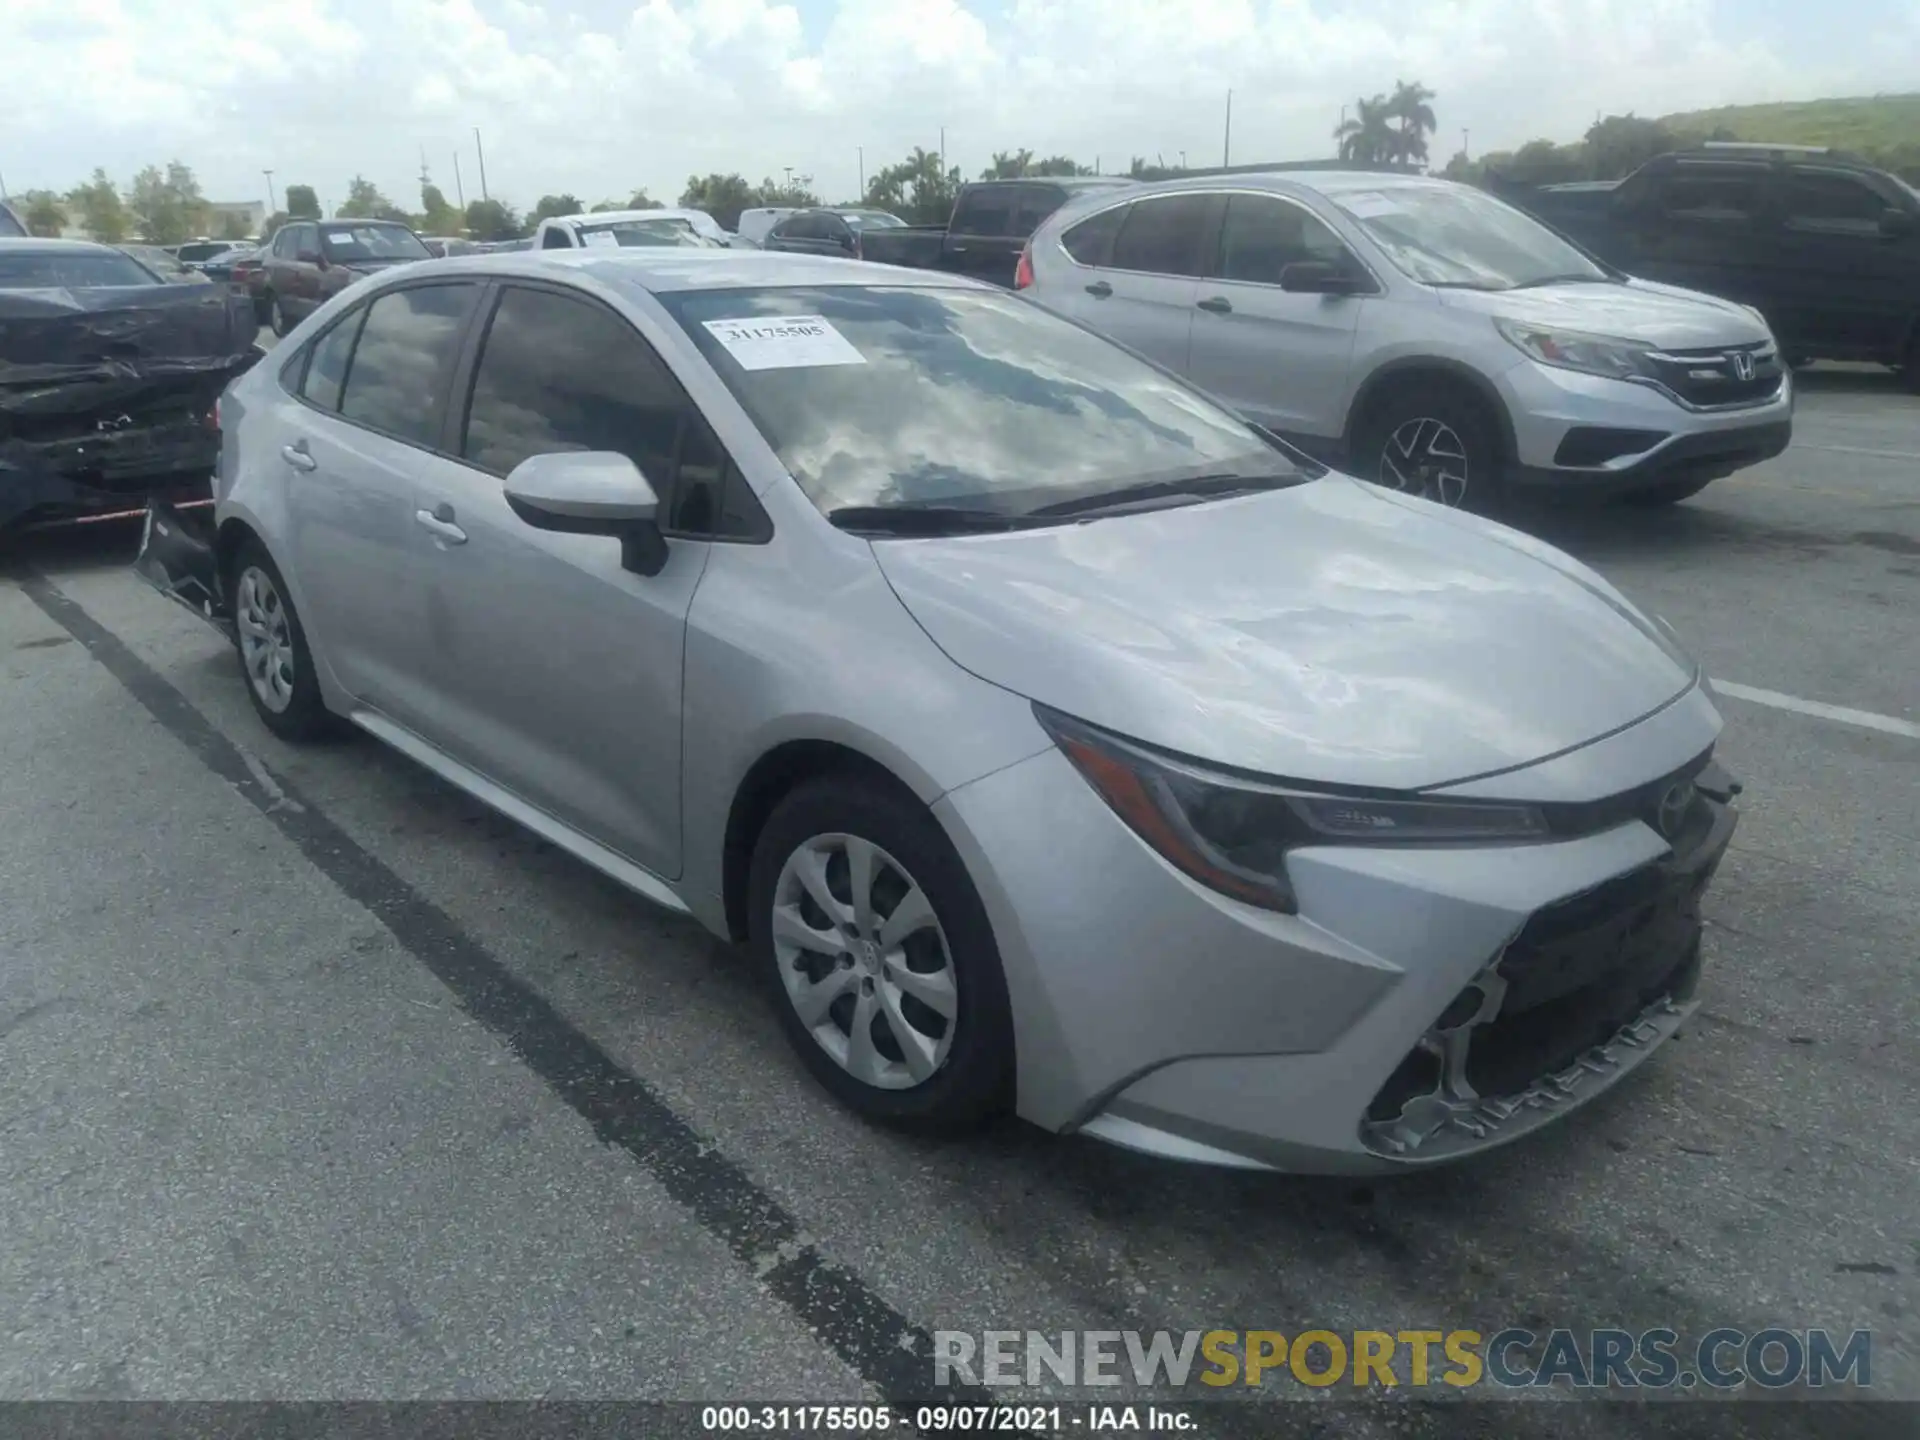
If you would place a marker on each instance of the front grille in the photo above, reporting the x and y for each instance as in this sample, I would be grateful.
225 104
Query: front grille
1640 803
1715 377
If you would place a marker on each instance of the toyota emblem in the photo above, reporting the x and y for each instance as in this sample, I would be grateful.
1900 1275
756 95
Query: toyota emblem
1742 365
1673 808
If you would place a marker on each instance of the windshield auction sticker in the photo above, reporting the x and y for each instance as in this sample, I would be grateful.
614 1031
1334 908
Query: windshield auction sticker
785 342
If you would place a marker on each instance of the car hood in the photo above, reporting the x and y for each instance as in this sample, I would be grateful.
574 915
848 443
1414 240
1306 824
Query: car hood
1331 632
1662 315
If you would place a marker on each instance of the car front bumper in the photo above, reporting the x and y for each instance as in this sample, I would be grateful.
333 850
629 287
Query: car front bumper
1422 1006
1584 436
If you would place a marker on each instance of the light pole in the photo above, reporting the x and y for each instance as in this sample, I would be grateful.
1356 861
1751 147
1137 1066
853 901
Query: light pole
861 152
1226 146
459 190
1466 151
483 163
273 201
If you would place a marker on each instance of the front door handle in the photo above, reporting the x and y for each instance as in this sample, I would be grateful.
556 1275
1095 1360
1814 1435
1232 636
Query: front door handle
1100 289
1219 305
298 456
439 521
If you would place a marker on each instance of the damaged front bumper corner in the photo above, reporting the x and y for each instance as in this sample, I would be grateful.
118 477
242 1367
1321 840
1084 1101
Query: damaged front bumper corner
177 558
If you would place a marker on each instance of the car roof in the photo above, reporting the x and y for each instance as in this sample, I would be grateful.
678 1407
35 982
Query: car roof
31 244
662 271
1329 182
604 217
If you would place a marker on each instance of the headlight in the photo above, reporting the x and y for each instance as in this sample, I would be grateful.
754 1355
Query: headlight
1606 355
1232 834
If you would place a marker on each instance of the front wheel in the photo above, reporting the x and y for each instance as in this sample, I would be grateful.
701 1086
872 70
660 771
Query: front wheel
879 956
277 316
1434 442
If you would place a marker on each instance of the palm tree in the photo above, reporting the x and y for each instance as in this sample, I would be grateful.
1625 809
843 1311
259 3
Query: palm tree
1367 137
1409 104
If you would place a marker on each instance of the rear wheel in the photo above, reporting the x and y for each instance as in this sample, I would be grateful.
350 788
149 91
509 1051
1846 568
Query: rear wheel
879 956
277 316
1435 441
274 656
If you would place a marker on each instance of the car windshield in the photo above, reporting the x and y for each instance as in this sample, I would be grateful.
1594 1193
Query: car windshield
901 397
871 220
348 243
203 250
70 270
1454 235
665 231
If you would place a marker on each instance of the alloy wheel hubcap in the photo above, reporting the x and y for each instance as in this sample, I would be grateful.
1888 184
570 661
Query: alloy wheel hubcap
1426 457
864 961
266 639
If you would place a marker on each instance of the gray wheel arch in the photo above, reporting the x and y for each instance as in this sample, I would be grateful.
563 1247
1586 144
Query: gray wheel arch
1391 376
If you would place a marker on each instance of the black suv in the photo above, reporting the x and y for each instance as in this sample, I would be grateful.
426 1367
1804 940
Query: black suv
1825 246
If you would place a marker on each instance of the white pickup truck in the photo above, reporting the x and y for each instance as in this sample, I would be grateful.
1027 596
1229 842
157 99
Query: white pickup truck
693 228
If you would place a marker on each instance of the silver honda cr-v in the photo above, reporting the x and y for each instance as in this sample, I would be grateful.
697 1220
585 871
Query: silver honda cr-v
1422 334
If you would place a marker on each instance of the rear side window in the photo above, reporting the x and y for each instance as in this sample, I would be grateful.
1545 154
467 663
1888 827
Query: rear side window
1712 192
1091 241
327 368
400 369
1033 204
1831 202
556 239
987 211
1163 236
561 374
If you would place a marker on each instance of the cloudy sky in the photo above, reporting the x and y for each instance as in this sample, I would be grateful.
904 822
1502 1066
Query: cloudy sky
599 96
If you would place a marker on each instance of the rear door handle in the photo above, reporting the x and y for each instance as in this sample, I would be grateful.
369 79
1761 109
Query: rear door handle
1100 289
297 456
1219 305
439 521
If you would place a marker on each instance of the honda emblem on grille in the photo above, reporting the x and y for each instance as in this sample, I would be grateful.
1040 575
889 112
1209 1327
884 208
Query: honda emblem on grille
1742 365
1672 811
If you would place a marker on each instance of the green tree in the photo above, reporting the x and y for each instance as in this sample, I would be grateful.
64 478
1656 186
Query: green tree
1008 165
551 205
1541 162
1410 107
795 194
917 188
1621 144
365 202
103 215
1059 165
640 200
44 212
273 223
302 203
1369 135
167 204
437 216
721 196
493 220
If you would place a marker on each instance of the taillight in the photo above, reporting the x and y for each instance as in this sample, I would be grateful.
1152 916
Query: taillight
1023 272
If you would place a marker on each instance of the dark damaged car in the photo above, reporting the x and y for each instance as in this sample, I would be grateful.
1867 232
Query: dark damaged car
109 379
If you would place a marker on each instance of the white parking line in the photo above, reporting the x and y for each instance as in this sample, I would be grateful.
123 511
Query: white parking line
1862 450
1865 719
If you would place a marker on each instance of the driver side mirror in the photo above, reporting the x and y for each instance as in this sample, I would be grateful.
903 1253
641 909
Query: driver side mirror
591 492
1896 224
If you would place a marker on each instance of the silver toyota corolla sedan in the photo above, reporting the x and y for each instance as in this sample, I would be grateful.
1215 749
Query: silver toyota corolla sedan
1057 741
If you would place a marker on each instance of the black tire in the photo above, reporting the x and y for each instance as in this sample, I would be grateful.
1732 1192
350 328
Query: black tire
262 311
973 1083
1910 372
304 716
1670 492
1433 439
277 315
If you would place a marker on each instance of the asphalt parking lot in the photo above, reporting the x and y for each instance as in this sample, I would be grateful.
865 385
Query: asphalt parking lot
319 1081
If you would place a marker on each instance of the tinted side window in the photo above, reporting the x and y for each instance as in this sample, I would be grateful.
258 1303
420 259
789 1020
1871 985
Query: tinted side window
1091 241
1712 191
985 211
1261 237
408 343
1831 202
1163 236
1033 204
556 239
327 366
563 374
